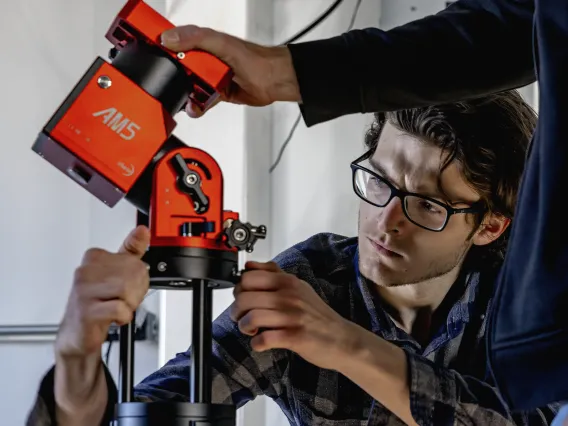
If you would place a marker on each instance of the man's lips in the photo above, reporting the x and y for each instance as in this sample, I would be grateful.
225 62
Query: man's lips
383 249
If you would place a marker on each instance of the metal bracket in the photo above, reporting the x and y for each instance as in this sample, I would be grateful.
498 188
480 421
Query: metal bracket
146 330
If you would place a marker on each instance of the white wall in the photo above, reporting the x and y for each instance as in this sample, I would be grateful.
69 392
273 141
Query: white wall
311 187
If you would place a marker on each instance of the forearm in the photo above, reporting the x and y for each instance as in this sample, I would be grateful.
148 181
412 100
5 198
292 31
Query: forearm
419 391
81 391
283 84
73 394
470 49
379 368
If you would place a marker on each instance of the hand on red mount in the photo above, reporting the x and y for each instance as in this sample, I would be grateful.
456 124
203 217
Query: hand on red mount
262 74
290 315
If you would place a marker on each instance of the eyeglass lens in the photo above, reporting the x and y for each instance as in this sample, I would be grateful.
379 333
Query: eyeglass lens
420 210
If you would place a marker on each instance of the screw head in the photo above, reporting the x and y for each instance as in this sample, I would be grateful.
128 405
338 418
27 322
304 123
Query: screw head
181 55
104 82
162 266
191 179
240 234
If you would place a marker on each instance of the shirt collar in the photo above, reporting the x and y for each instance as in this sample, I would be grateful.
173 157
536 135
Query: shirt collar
458 315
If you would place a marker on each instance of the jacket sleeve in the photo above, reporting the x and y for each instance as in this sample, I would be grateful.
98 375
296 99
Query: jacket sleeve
528 329
472 48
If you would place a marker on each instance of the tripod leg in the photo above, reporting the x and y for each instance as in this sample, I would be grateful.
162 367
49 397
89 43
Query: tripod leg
200 380
126 367
126 362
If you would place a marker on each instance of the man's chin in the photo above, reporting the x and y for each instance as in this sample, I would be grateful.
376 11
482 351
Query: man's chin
382 273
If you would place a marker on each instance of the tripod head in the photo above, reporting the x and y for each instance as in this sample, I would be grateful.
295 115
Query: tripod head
113 136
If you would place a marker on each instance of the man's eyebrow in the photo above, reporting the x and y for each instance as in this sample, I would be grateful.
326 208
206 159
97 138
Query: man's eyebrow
378 168
438 194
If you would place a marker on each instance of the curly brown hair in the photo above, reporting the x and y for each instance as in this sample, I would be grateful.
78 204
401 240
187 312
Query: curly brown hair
488 136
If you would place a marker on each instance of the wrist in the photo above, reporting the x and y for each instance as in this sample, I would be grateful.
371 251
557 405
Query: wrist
76 381
349 345
284 86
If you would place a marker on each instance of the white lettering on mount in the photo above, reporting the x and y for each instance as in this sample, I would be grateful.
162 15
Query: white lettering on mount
127 170
118 123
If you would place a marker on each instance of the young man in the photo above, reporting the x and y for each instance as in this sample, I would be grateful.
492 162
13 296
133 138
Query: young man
471 48
384 328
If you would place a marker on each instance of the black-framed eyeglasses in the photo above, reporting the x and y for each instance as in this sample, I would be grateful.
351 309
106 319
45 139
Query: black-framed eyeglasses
423 211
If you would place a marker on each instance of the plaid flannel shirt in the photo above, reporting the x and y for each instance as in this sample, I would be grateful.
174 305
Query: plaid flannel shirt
448 381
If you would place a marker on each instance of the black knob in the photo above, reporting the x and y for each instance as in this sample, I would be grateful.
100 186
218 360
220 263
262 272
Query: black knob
244 235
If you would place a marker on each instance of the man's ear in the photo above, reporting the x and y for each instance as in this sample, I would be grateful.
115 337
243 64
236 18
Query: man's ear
491 228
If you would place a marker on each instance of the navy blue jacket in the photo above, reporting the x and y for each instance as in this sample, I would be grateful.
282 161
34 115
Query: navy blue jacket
472 48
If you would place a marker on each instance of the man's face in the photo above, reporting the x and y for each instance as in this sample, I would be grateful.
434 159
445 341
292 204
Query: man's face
395 251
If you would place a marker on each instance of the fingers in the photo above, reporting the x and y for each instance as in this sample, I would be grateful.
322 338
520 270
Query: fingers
131 290
124 279
265 276
263 266
136 242
258 280
195 112
189 37
274 339
253 300
116 311
266 318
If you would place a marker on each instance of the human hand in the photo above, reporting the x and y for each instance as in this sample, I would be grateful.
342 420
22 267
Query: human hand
107 287
281 311
262 75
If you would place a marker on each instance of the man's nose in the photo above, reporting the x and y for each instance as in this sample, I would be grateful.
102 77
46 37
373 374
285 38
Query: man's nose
391 217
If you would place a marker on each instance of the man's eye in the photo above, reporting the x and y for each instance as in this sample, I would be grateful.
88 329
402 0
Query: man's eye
429 207
377 182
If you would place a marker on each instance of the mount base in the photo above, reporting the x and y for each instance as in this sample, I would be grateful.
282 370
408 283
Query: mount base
175 414
181 268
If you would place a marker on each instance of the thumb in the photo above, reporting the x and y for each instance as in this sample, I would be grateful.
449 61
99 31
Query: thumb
262 266
136 242
191 37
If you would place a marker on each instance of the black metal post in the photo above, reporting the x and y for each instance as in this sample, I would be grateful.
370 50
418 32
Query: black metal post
200 379
126 366
127 333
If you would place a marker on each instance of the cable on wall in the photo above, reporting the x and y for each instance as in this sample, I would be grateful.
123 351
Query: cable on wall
295 125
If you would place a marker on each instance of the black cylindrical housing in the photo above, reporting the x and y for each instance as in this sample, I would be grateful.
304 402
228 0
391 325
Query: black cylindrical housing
167 81
154 71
